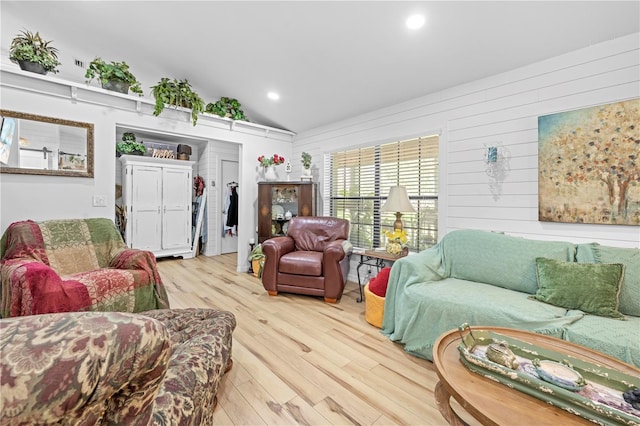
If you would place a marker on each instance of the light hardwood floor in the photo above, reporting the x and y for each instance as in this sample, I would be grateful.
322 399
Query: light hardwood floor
298 360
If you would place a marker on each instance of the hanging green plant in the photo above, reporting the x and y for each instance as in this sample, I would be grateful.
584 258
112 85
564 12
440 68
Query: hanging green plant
113 76
33 53
177 93
227 107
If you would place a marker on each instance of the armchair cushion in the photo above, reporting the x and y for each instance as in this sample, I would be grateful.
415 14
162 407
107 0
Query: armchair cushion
302 263
74 265
314 233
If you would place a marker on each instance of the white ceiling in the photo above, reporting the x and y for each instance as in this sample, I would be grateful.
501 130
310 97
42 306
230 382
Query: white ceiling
328 60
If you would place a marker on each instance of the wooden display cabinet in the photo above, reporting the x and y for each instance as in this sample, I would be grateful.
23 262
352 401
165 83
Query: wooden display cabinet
276 199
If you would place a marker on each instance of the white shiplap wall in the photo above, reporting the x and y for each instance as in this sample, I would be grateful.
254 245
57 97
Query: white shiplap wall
499 110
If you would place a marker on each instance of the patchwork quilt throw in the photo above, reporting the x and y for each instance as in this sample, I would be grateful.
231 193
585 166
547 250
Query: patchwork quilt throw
75 265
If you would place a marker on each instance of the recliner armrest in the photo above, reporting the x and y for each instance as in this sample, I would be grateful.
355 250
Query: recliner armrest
335 251
144 260
132 259
274 249
335 266
278 246
27 286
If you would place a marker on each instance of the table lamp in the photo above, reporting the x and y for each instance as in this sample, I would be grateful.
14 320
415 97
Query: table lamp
397 202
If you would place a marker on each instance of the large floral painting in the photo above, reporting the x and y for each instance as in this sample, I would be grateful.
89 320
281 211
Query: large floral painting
588 165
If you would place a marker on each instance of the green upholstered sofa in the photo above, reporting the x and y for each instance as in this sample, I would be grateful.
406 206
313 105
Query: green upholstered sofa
487 278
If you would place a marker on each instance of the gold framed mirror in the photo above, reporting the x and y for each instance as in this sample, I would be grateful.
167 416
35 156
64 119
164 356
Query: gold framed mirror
39 145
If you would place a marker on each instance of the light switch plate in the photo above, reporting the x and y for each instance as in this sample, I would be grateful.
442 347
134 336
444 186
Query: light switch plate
99 201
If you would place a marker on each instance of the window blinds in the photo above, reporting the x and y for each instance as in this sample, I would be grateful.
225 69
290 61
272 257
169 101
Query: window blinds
360 180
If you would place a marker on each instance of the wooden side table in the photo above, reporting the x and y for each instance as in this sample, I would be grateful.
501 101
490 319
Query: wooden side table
377 259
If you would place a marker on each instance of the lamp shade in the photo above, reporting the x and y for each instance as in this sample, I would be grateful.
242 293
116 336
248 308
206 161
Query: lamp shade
397 201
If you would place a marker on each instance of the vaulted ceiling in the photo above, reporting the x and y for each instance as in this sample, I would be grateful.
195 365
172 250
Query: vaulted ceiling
328 60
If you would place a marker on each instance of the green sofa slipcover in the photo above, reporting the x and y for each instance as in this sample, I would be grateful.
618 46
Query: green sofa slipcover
487 279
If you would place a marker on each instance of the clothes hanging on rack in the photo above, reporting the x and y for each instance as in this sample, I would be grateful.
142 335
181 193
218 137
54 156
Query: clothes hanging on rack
230 227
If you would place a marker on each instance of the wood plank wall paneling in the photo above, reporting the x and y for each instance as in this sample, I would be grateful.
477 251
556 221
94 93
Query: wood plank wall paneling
298 360
501 109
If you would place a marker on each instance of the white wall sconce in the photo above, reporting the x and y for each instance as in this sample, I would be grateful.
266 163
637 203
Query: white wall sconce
496 159
492 154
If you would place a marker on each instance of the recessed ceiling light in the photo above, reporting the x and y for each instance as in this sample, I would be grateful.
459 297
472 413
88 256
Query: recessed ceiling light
273 96
415 21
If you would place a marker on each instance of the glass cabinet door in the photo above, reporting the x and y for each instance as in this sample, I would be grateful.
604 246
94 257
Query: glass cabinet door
278 202
284 206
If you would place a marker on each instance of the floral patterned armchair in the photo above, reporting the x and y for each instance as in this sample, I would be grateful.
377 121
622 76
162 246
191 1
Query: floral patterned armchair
75 265
161 367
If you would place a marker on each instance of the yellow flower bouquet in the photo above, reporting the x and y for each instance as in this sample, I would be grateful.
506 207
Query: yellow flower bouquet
396 241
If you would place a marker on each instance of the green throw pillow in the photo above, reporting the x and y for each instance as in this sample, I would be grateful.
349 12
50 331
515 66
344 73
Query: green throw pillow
588 287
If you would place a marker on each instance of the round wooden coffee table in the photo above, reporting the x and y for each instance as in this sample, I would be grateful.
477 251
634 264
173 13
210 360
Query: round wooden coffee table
493 403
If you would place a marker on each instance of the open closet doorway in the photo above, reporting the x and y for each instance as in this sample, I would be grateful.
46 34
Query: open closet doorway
230 205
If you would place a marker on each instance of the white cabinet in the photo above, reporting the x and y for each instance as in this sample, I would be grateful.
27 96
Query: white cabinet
157 198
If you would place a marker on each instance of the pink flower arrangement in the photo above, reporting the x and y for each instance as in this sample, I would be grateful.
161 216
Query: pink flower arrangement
270 161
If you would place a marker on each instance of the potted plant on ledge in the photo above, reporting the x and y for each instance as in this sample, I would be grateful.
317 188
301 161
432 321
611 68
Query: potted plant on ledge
306 163
227 107
33 54
178 93
113 76
130 146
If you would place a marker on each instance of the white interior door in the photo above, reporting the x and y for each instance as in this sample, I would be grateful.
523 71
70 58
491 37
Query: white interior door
228 243
176 198
146 200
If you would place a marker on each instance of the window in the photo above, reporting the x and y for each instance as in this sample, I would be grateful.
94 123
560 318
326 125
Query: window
359 184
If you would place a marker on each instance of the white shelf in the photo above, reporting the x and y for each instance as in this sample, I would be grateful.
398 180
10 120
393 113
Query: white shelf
84 93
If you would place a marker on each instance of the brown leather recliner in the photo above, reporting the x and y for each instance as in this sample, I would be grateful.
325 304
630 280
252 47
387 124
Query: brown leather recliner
312 259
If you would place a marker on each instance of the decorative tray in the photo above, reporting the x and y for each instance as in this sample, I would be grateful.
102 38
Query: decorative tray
588 390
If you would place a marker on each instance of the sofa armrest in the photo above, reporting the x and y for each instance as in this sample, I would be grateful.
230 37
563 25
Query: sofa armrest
81 368
30 287
424 267
274 249
132 259
146 261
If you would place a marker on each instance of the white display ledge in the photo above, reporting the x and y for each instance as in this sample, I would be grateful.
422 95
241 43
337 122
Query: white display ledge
79 92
